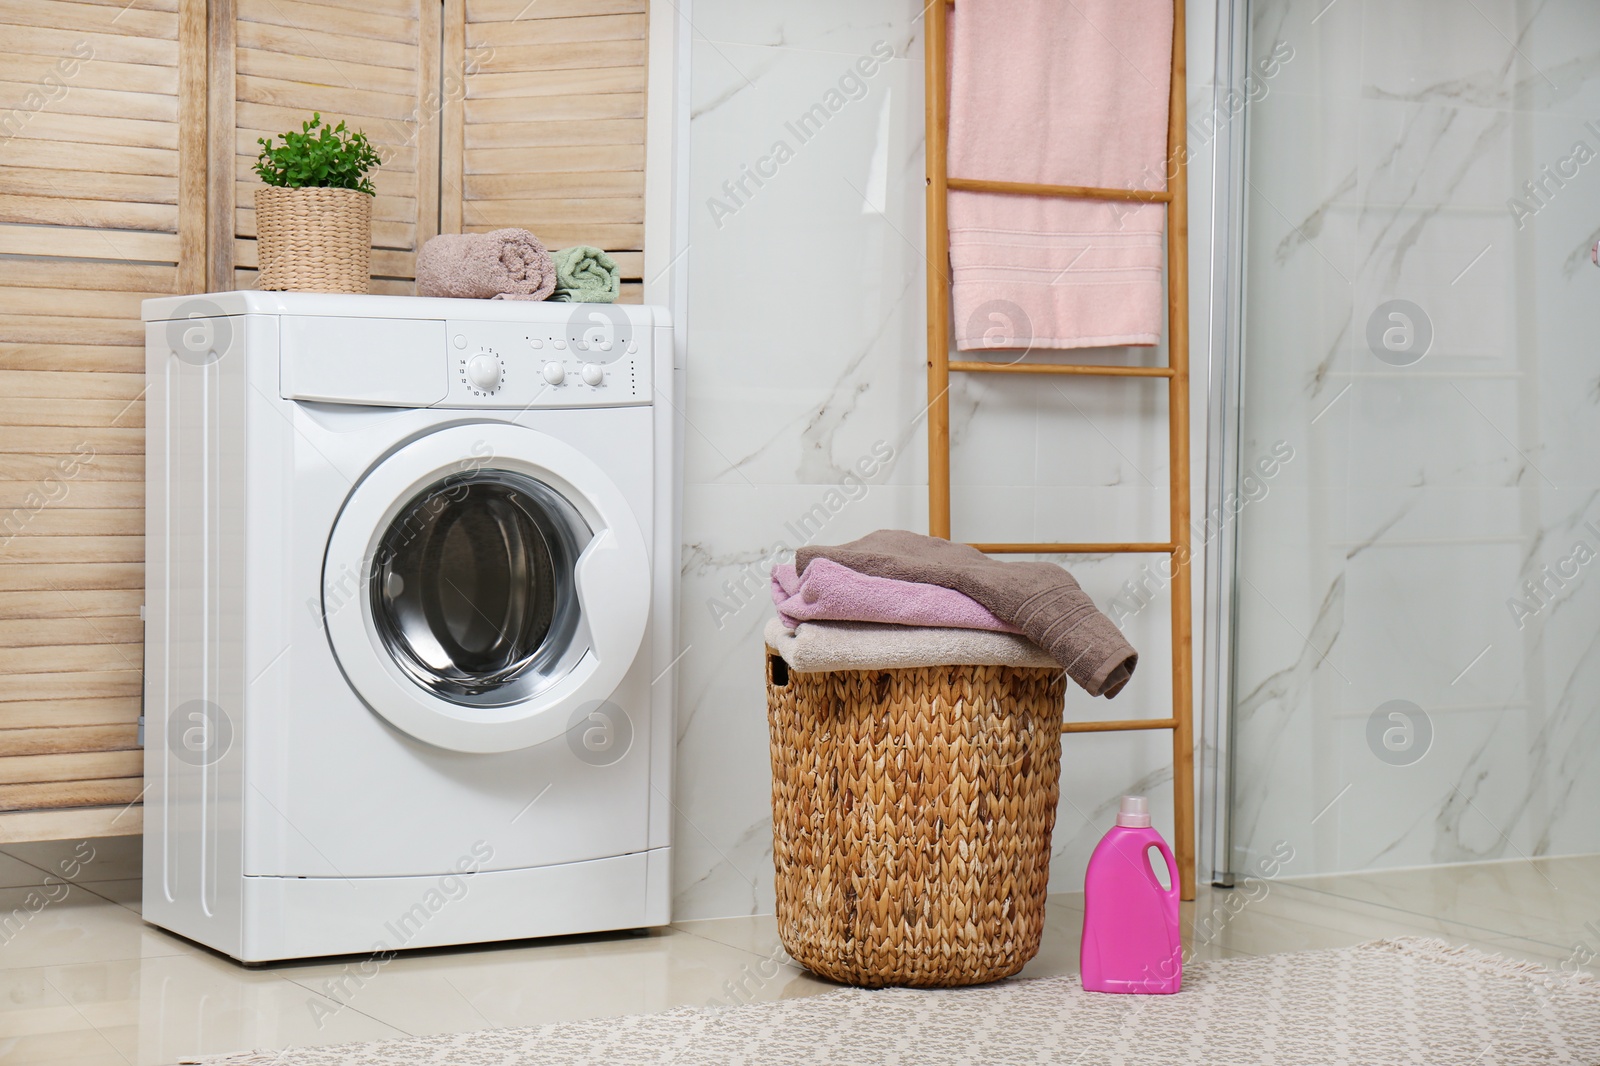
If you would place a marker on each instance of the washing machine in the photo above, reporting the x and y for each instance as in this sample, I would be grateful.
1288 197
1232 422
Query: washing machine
409 622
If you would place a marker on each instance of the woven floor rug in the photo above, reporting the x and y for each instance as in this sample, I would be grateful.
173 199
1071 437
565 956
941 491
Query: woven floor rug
1398 1001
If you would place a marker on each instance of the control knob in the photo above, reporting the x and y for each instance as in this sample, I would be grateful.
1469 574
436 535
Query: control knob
483 370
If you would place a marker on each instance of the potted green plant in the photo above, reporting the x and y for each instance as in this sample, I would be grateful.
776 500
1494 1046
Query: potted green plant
314 215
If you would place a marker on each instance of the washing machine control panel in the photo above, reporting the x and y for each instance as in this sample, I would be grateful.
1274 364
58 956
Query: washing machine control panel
594 358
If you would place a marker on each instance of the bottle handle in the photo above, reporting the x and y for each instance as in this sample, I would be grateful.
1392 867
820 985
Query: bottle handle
1172 888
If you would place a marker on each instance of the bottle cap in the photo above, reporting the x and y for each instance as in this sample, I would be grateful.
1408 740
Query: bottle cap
1135 813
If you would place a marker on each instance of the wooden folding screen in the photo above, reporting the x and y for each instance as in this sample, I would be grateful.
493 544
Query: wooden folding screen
1180 721
101 205
549 133
127 130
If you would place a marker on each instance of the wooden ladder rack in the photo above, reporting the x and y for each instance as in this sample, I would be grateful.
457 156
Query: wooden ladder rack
940 366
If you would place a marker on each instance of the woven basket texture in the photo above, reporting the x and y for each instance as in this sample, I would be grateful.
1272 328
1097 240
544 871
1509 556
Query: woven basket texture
314 240
911 819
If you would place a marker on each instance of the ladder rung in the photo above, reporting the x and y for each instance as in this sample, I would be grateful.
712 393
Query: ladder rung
1110 548
1117 727
1086 369
1076 192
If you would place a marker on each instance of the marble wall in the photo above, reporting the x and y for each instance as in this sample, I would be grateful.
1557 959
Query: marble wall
1418 651
805 355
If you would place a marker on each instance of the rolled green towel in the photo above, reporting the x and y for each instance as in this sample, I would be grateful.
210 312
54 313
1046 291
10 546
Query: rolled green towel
586 275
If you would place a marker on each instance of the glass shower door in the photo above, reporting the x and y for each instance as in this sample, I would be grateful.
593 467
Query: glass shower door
1416 603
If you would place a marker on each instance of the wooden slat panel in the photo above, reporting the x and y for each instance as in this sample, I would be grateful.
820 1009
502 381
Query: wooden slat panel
21 300
41 576
541 134
70 359
631 27
319 70
69 713
110 103
77 493
56 658
536 213
107 158
44 603
101 214
533 161
90 386
60 440
63 15
510 10
575 184
84 685
108 47
364 24
93 129
71 824
49 330
74 766
569 55
336 47
543 83
46 740
99 74
89 185
50 521
138 5
88 244
37 632
556 108
68 274
112 475
69 794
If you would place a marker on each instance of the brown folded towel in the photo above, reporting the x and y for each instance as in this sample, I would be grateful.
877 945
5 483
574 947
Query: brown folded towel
503 264
1041 599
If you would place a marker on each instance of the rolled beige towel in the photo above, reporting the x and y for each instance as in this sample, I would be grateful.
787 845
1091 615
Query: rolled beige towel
503 264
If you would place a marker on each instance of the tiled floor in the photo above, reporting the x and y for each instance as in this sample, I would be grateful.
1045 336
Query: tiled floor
83 982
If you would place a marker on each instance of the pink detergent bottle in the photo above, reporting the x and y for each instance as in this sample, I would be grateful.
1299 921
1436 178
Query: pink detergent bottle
1130 923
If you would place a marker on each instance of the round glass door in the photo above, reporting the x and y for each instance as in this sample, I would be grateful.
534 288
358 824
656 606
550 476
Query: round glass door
473 592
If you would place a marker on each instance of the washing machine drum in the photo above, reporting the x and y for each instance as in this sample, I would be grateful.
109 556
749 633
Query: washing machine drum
501 587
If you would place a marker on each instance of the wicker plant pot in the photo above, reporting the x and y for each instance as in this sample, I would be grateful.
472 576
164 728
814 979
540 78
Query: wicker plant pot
314 240
911 819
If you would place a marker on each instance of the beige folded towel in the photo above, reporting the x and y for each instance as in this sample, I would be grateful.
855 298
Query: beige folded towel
503 264
816 647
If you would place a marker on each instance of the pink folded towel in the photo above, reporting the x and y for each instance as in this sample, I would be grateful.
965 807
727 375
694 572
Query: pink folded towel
503 264
830 592
1059 94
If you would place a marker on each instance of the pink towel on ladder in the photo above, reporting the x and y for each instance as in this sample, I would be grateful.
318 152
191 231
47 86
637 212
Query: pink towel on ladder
1059 92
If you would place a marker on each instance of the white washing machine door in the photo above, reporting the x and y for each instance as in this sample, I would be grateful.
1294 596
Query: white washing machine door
482 584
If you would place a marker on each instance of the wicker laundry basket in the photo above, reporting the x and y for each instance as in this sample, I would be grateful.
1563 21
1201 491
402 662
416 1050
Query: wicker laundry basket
314 240
911 819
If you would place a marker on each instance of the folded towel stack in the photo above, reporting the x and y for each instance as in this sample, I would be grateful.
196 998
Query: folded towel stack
895 599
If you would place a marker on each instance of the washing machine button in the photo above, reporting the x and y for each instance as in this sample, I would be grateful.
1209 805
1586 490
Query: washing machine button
593 374
554 373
